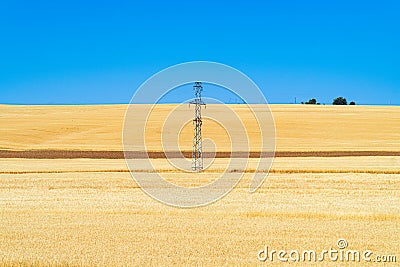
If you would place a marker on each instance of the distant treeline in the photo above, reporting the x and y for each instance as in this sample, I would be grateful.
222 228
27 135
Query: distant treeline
337 101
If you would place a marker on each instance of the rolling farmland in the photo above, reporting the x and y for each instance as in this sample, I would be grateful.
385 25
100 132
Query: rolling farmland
336 175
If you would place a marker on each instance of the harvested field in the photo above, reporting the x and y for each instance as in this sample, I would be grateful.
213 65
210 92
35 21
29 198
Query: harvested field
68 199
298 127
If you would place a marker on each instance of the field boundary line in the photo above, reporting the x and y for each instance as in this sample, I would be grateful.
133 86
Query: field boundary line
206 171
102 154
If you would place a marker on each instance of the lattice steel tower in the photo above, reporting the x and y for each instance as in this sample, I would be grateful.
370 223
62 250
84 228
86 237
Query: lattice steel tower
197 153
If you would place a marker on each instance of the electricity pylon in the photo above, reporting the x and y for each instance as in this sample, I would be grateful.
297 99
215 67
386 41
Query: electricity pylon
197 153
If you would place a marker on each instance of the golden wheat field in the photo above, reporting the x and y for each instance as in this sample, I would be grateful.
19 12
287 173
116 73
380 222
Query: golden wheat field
90 212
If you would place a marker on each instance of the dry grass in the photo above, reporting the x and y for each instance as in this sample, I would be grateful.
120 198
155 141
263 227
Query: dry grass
105 219
90 212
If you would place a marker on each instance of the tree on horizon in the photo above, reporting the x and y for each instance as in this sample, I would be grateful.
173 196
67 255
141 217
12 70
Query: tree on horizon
339 101
312 101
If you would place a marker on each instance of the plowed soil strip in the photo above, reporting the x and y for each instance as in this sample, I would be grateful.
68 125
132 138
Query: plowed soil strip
287 171
75 154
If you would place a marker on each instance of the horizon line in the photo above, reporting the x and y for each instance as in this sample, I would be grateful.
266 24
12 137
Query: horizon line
177 103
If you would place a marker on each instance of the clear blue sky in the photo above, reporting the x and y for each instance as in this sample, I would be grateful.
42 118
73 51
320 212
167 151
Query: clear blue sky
77 52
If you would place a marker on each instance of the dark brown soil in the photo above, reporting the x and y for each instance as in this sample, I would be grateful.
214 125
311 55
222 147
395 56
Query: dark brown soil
74 154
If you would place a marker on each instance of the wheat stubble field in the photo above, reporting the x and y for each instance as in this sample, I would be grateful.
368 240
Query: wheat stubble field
336 175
